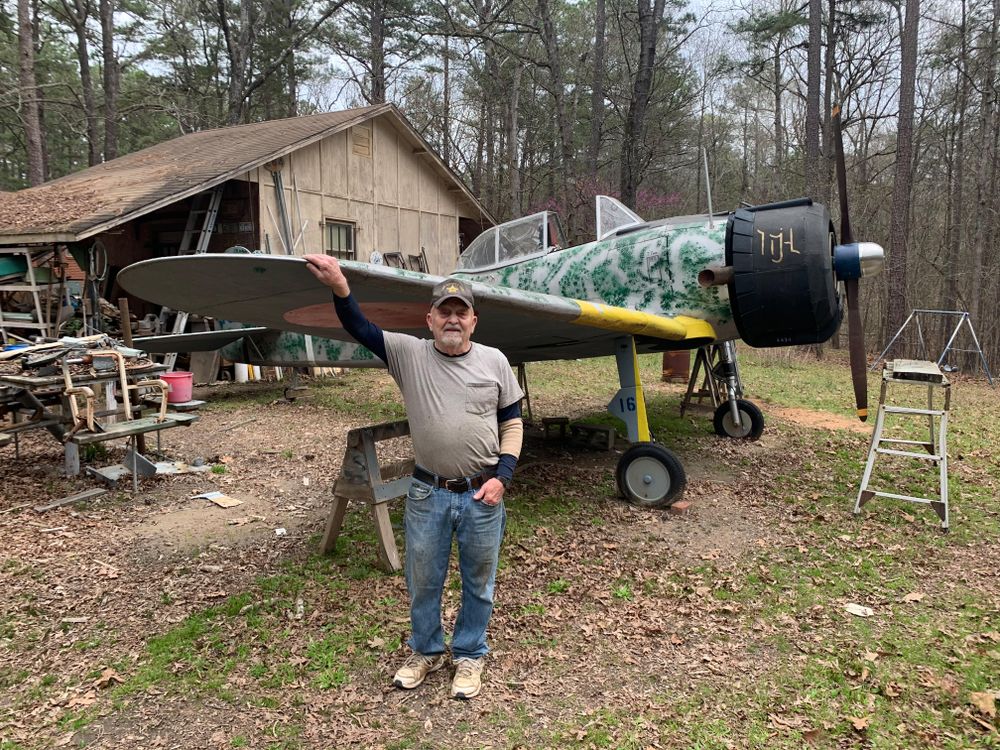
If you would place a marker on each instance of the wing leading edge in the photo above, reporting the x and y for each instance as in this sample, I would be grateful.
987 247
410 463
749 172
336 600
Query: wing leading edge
279 292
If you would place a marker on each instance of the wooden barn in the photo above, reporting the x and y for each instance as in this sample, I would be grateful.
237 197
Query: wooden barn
360 184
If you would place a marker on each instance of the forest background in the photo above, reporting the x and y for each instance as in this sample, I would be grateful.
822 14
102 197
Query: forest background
545 103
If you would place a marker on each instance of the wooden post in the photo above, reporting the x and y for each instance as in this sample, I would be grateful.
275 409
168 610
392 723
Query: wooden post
126 321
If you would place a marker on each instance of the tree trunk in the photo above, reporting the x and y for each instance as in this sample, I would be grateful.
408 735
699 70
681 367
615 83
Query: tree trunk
698 159
642 86
984 160
814 180
238 46
77 15
477 163
291 70
446 105
597 88
828 148
512 140
779 136
376 50
29 95
554 58
956 196
112 80
899 225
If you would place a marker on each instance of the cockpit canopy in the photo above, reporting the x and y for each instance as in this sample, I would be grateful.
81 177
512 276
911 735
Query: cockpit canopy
538 234
513 241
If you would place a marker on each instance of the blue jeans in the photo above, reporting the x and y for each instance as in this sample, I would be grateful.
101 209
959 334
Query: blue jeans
431 518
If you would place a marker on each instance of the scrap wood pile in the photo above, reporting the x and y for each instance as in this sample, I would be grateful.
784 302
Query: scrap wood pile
77 354
40 381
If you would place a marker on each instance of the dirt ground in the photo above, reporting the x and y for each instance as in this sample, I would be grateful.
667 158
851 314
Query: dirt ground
87 587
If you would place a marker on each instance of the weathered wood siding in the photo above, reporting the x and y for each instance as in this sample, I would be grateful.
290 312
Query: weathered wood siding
377 177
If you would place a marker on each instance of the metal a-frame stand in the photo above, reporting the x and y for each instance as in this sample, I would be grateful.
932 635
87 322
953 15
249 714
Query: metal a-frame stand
963 319
706 361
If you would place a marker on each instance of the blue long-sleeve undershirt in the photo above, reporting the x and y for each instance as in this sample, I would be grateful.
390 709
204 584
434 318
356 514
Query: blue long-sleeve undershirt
370 336
361 329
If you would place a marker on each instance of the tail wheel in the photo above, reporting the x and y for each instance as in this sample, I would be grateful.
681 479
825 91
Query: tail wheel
650 476
751 424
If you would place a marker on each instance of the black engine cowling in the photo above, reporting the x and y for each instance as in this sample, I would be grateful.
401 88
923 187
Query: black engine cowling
783 290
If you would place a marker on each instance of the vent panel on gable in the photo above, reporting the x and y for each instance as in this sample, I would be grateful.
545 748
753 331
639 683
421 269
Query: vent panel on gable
361 140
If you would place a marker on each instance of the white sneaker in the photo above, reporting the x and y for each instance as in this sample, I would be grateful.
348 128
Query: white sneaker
468 678
416 668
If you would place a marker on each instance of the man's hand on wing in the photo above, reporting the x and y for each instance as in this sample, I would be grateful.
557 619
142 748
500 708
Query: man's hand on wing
327 270
490 493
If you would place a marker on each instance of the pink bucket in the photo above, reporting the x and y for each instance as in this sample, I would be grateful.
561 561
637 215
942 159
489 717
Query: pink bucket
180 383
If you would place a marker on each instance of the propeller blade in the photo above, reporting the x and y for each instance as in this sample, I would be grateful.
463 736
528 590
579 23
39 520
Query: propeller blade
856 347
846 235
855 334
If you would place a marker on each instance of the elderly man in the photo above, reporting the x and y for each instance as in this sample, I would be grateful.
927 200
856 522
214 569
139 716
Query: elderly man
464 408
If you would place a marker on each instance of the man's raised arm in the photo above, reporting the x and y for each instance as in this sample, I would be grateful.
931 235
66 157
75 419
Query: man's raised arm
327 270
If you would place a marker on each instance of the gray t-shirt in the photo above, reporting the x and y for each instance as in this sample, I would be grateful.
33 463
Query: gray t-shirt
452 402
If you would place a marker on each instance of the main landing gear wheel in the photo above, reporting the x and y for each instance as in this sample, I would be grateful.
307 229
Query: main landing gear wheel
751 421
650 476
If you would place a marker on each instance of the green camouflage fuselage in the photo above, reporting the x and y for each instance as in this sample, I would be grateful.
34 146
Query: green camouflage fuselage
653 269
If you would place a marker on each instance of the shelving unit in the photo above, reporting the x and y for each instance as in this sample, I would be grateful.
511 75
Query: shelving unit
10 320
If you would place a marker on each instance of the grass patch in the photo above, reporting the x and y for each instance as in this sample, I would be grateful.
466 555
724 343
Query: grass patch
793 667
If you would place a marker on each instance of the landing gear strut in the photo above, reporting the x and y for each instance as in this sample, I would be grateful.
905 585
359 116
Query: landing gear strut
648 474
734 417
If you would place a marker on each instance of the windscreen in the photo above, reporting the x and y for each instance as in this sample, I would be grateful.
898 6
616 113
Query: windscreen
612 215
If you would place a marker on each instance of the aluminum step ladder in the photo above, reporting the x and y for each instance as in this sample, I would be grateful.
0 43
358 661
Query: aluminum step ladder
912 372
204 206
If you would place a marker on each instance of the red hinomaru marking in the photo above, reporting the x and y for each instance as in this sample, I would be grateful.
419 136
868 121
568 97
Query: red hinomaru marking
390 315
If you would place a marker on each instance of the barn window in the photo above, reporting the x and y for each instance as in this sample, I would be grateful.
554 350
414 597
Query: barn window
339 238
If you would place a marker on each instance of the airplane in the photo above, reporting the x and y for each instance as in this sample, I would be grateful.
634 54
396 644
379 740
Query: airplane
769 275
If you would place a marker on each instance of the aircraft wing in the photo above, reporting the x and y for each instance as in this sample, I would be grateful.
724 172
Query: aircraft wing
280 292
200 341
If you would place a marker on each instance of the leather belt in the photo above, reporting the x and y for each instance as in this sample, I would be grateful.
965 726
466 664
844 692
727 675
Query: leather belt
461 484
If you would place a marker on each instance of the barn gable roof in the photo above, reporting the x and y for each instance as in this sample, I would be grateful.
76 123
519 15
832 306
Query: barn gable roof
104 196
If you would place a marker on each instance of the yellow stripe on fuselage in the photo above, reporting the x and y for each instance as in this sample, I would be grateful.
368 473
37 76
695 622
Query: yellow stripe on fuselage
642 323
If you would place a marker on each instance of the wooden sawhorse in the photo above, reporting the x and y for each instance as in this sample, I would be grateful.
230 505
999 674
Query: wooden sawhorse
361 478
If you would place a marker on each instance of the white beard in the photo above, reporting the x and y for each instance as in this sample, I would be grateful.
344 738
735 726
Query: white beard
451 338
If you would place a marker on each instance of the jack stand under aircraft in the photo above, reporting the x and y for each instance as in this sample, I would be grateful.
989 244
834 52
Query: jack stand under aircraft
733 416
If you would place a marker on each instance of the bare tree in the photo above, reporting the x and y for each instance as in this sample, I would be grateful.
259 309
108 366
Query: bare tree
986 165
597 87
30 116
76 13
112 78
814 181
650 16
899 232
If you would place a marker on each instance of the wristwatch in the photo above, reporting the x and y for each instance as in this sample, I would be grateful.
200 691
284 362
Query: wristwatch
504 481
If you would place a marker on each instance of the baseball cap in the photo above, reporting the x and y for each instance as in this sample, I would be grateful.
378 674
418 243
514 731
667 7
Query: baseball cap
452 288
